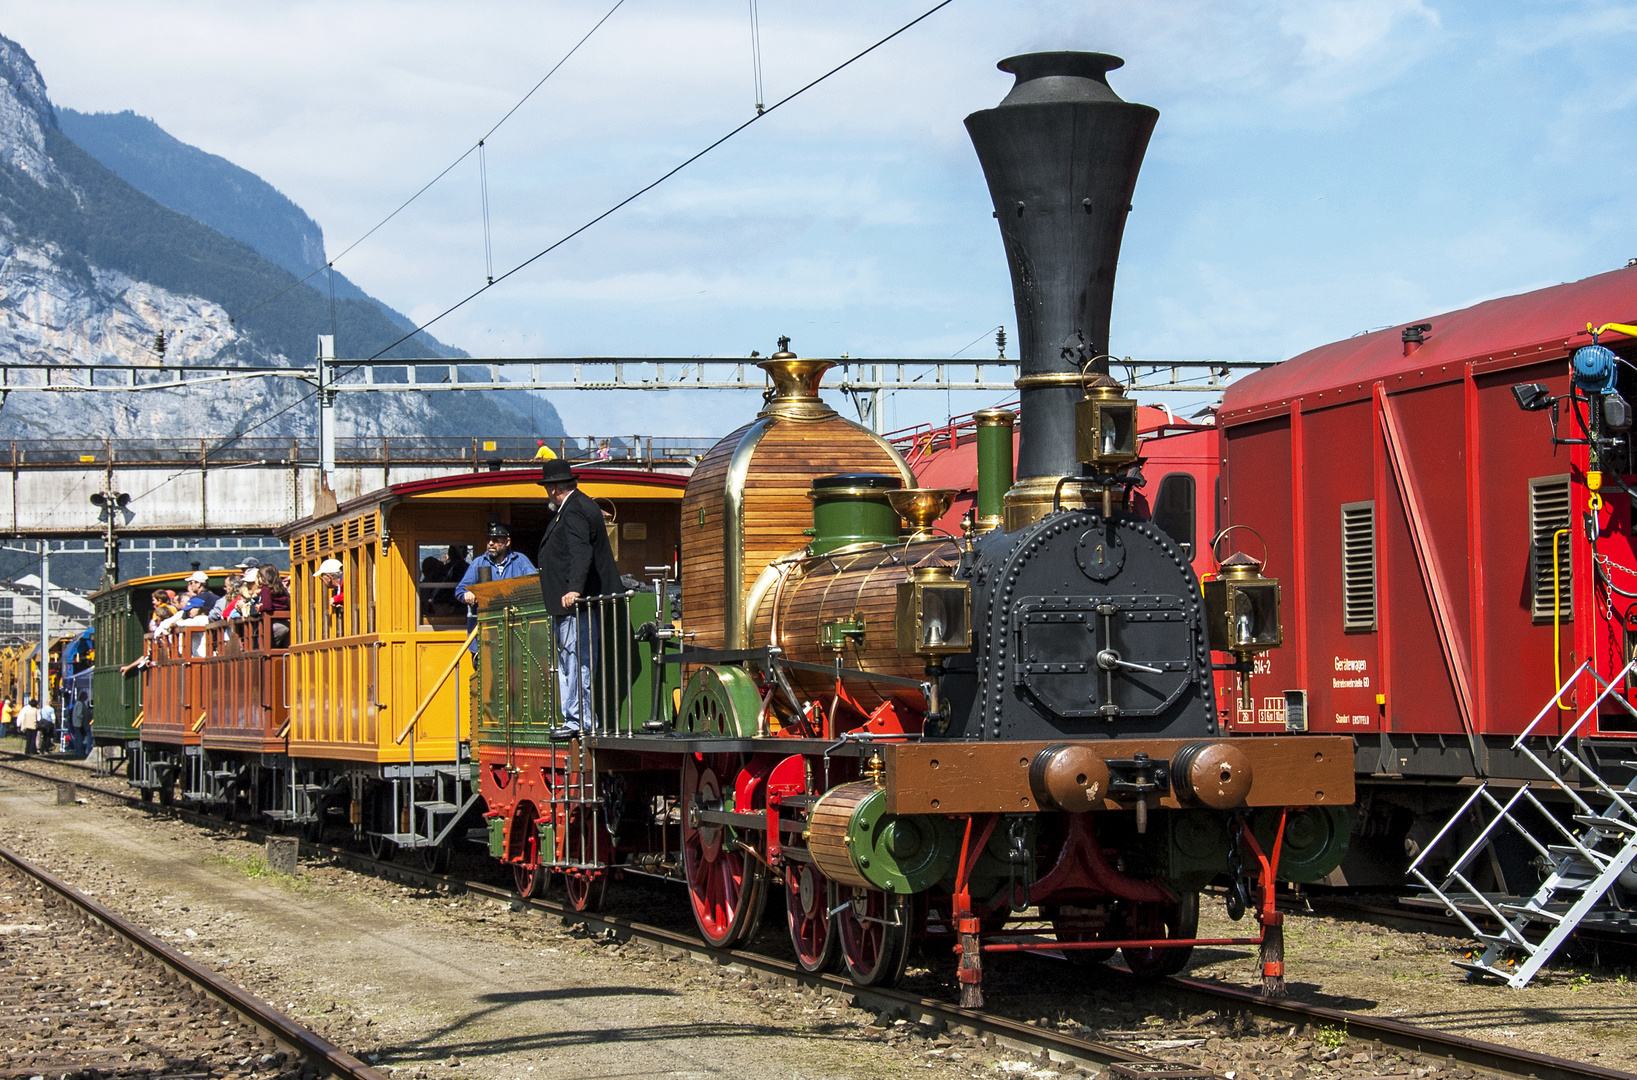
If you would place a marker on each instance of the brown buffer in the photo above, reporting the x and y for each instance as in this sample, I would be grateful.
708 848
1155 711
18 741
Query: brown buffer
986 778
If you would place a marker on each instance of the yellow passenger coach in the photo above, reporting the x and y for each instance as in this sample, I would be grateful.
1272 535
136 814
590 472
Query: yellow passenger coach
379 728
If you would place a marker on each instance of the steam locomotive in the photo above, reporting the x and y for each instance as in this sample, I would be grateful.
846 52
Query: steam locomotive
916 734
1001 737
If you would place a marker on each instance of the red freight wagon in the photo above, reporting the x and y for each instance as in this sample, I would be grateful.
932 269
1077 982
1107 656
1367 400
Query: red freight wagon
1431 540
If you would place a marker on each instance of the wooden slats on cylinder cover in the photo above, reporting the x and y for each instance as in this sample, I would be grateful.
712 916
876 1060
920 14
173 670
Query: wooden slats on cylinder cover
834 589
828 824
776 510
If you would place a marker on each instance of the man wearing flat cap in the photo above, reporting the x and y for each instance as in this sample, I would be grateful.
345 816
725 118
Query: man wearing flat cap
497 563
576 560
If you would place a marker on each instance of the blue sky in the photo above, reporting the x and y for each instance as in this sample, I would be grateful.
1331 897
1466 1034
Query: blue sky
1319 169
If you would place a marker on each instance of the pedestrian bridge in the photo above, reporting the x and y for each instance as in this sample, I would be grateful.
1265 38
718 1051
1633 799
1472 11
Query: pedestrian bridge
204 488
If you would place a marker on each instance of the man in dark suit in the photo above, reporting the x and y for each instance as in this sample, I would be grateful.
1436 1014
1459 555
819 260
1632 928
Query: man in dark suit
576 560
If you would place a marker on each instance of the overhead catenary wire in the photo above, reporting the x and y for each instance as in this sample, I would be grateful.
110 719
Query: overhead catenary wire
483 184
446 171
756 55
230 440
635 195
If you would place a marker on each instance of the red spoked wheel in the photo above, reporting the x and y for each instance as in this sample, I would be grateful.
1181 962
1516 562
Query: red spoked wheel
528 875
726 888
586 889
873 929
1152 922
1072 924
807 911
586 848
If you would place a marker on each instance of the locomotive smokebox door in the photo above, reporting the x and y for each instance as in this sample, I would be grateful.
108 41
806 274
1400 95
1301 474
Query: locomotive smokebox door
1242 608
934 613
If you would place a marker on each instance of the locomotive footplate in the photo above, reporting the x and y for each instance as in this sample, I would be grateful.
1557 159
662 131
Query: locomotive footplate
983 778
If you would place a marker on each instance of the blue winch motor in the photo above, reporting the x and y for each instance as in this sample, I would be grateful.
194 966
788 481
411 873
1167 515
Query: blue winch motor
1596 369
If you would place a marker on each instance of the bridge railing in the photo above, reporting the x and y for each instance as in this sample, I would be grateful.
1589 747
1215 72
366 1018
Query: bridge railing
478 453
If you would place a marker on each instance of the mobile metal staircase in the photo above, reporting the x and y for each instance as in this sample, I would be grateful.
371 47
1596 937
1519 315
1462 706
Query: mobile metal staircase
1584 866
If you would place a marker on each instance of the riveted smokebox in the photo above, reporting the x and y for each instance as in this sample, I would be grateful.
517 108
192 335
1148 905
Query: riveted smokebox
1061 153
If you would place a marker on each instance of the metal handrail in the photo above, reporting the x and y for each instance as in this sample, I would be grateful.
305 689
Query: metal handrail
426 702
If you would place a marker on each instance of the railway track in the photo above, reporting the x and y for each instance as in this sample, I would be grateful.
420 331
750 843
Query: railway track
79 1004
1374 1034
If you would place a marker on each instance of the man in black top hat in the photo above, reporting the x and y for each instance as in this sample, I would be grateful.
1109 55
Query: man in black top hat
576 560
497 563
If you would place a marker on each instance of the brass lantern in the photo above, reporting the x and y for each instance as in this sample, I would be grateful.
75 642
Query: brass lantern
1242 608
1105 425
934 613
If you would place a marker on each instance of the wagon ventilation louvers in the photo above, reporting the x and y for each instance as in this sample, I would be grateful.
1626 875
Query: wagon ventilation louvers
1585 858
1549 548
1358 566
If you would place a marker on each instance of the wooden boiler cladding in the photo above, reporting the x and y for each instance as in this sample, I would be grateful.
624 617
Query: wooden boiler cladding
861 587
747 505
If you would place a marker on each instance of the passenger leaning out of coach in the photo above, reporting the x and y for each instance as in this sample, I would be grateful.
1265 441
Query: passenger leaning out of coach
330 573
272 598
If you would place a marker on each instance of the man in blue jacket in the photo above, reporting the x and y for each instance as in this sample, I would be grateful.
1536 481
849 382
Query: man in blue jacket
497 563
576 560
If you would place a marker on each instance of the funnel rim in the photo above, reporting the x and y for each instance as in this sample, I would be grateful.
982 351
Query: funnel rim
1066 62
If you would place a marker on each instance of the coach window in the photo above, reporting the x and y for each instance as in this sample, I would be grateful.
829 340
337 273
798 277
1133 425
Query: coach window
369 588
1174 510
354 606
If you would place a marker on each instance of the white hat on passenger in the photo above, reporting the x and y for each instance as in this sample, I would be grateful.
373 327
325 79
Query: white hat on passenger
200 576
328 566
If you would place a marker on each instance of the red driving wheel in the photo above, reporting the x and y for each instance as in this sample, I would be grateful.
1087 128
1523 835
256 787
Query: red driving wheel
527 873
874 932
1153 922
726 889
807 911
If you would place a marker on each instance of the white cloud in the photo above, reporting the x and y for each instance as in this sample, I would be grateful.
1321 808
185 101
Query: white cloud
1320 166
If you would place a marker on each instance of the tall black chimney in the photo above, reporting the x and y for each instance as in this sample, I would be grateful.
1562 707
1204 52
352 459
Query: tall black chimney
1061 153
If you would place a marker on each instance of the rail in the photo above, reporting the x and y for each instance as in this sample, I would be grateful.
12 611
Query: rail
323 1054
1011 1034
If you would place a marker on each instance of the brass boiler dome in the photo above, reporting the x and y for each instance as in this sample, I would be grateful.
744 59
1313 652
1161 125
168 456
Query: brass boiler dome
747 504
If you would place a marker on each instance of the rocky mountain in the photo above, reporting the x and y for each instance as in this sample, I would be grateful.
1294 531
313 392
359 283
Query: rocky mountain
212 190
93 270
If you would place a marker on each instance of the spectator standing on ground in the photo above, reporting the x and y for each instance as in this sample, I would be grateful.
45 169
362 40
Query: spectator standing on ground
48 728
82 725
28 723
8 718
576 560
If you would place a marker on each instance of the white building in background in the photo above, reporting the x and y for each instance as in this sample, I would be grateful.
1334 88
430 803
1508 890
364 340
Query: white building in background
20 610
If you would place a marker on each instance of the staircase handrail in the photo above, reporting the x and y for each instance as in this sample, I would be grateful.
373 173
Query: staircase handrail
1608 687
1550 703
